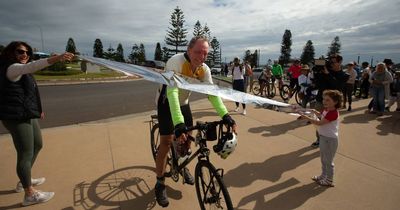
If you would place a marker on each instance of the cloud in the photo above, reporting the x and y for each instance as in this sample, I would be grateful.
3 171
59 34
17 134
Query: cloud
369 27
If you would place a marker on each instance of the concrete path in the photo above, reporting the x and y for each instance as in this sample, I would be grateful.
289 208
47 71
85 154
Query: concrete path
108 164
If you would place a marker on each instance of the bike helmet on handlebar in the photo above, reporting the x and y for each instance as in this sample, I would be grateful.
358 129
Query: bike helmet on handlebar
226 144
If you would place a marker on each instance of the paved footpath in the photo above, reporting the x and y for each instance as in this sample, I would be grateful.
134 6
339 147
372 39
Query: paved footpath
108 164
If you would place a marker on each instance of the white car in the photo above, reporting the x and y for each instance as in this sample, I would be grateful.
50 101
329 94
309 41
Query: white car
216 70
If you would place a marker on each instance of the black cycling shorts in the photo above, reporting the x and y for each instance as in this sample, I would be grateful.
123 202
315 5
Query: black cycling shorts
166 126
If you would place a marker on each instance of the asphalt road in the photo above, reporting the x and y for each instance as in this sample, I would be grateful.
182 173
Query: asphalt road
71 104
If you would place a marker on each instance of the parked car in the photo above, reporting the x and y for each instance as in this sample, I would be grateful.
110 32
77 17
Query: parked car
154 64
216 69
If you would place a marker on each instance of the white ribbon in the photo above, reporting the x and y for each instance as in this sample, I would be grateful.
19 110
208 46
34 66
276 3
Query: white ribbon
172 79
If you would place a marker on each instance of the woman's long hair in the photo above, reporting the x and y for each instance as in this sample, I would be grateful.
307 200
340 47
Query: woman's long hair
9 55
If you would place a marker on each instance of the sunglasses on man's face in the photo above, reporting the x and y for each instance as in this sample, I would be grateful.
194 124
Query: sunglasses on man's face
21 52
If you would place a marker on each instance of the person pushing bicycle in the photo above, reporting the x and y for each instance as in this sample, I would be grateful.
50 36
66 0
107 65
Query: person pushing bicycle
174 114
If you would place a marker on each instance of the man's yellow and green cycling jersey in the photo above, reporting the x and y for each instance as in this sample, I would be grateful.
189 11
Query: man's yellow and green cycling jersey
180 63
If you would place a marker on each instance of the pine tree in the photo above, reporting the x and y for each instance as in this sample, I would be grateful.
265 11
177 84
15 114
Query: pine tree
335 47
71 46
214 54
134 56
198 30
308 53
142 54
110 54
286 47
98 49
119 54
207 32
1 48
254 59
176 35
247 56
165 54
158 52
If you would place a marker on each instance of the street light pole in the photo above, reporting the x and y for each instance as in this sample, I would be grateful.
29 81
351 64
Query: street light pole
41 36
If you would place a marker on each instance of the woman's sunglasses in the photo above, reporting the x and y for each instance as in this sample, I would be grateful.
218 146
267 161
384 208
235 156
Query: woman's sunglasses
21 52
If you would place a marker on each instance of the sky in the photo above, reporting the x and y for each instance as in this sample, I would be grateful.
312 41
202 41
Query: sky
367 28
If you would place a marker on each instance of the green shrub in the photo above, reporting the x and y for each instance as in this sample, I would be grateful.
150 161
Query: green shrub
58 73
59 66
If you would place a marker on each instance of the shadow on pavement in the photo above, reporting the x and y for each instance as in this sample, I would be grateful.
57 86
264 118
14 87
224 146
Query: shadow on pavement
197 115
125 188
278 129
271 169
390 124
289 199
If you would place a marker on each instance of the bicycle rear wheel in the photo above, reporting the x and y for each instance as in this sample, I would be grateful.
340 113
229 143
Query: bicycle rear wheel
256 88
210 188
285 92
155 143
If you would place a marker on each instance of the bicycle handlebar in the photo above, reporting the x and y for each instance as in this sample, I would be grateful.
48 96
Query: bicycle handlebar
204 125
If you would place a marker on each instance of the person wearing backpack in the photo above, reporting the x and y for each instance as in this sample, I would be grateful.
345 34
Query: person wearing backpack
238 81
248 76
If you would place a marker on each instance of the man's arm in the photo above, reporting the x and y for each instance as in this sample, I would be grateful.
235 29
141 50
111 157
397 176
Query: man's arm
174 105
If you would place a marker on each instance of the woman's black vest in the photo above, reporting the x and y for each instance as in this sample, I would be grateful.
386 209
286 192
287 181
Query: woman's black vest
18 100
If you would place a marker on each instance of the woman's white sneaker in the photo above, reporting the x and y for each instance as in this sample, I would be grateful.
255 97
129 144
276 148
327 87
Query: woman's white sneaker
35 182
37 197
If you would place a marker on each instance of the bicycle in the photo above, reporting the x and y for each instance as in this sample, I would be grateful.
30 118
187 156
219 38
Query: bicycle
285 93
210 188
269 88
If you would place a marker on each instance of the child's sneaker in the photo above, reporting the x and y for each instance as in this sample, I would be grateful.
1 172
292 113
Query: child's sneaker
37 197
326 182
317 178
35 182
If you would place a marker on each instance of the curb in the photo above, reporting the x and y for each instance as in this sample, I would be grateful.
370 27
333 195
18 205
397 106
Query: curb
90 81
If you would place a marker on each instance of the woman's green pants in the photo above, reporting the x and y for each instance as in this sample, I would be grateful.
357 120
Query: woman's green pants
27 140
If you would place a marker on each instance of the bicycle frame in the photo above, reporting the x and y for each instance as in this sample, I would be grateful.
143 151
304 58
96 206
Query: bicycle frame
202 153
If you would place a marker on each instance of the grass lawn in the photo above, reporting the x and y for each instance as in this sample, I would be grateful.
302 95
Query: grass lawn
227 79
74 72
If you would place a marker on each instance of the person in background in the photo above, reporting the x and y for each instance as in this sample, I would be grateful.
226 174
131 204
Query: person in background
380 81
304 83
20 109
394 92
277 73
294 73
348 90
358 77
238 81
366 73
248 76
332 77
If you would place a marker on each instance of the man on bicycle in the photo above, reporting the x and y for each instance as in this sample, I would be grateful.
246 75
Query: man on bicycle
294 73
174 114
277 73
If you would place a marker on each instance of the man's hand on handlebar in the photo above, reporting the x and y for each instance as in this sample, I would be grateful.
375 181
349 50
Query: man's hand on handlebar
229 122
181 133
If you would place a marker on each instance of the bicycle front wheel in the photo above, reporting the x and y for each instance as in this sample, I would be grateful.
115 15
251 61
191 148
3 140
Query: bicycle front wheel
298 99
210 188
285 92
270 90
